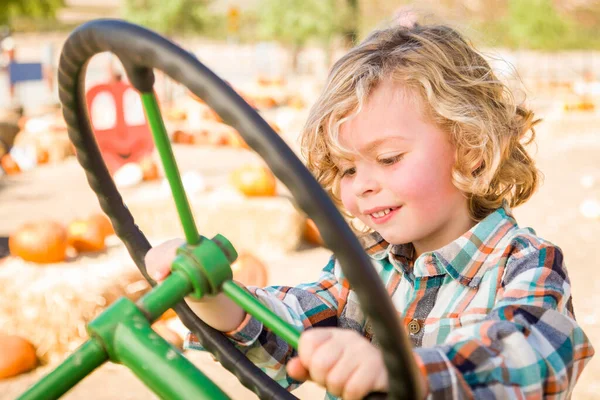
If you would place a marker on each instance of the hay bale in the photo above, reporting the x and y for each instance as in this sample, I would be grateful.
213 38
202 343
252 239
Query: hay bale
262 225
50 305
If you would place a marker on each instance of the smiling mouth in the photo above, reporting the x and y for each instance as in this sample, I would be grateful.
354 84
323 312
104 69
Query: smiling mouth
383 215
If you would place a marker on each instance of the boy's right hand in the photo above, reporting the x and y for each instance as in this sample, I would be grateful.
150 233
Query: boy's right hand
218 311
160 258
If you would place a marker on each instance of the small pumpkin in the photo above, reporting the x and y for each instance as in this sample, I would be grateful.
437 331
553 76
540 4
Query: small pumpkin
9 165
237 141
182 137
170 313
149 169
254 180
42 242
249 270
168 334
296 102
42 156
103 222
85 236
311 233
274 126
18 356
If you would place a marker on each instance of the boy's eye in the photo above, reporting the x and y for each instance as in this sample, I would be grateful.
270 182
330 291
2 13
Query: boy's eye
348 171
391 160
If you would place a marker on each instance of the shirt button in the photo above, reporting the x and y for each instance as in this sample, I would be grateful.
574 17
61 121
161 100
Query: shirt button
414 327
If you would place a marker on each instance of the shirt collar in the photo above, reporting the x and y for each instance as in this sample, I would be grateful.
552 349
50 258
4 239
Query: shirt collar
465 259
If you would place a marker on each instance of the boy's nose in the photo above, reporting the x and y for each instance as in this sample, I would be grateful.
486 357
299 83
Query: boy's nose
365 184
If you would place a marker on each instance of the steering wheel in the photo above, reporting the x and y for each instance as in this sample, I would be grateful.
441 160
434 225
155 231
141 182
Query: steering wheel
140 51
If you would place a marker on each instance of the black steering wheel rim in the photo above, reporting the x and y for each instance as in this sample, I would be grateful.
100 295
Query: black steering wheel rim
140 51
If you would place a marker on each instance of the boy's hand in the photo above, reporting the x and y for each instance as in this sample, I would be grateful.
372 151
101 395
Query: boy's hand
159 259
342 361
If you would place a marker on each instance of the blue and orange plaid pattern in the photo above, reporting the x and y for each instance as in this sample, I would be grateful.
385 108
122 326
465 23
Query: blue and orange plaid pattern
491 313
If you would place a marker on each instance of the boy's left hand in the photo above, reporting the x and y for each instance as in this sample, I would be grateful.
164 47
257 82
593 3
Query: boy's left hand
341 360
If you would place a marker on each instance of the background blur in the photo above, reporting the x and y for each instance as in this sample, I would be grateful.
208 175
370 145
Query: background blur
276 54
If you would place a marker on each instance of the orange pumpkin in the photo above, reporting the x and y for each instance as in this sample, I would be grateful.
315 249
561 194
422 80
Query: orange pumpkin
42 242
175 114
236 140
296 102
170 313
42 156
168 334
149 169
249 270
85 236
264 102
254 180
18 356
103 222
275 127
9 165
182 137
312 234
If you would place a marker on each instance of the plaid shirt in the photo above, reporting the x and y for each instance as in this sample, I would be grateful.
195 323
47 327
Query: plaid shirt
490 315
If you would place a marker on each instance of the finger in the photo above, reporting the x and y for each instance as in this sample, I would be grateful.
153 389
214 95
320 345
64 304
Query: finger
324 359
340 373
310 341
158 259
296 370
361 382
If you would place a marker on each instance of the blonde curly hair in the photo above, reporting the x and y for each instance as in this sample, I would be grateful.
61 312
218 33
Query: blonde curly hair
461 94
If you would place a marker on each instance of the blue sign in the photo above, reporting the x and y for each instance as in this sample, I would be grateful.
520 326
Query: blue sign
21 72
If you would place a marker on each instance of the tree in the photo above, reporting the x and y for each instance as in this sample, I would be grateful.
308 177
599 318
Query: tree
31 8
294 22
169 17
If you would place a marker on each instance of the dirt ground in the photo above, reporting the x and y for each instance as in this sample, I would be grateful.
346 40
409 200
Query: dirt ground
567 152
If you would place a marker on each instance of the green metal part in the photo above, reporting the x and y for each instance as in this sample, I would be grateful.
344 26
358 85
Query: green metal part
77 366
159 365
212 258
255 308
125 333
161 139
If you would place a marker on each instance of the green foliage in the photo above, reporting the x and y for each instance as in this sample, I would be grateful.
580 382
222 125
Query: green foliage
169 17
33 9
297 21
536 24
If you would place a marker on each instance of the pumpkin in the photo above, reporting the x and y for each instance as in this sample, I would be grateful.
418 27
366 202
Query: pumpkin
296 102
311 233
182 137
254 180
175 114
85 237
265 102
9 165
170 313
42 156
274 126
149 169
168 334
18 356
249 270
42 242
103 222
236 140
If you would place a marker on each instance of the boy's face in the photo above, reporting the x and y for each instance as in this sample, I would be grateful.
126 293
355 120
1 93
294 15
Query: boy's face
399 181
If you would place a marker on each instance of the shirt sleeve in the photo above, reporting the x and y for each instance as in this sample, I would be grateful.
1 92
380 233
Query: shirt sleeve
529 346
317 304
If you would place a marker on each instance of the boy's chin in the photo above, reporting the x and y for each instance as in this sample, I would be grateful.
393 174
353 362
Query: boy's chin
392 236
